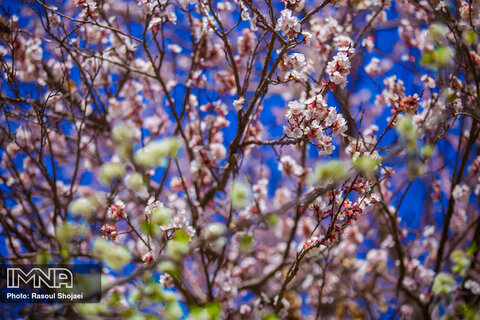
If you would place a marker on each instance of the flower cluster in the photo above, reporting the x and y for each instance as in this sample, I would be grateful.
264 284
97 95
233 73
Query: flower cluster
296 67
338 68
294 5
288 23
246 43
311 119
289 166
117 210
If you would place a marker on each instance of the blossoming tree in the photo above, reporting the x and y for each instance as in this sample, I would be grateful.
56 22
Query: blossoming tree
246 159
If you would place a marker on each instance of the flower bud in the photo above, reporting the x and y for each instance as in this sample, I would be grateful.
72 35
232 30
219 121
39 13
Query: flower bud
83 206
246 243
153 154
469 36
135 181
443 283
121 133
170 268
427 150
145 158
437 31
68 231
461 262
110 171
161 216
329 171
177 249
124 150
408 131
214 230
442 55
240 194
114 255
366 164
167 147
173 310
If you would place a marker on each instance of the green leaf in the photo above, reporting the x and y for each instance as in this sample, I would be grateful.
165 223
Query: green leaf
214 308
472 249
181 236
272 219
